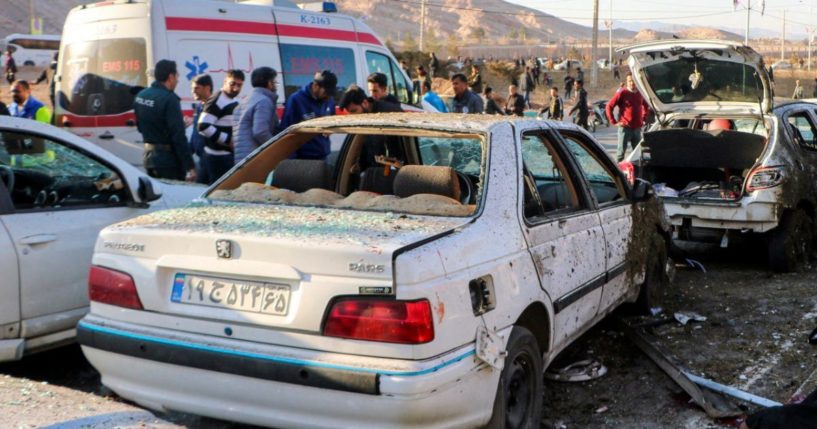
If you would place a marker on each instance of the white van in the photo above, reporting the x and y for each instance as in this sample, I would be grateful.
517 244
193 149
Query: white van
32 50
108 50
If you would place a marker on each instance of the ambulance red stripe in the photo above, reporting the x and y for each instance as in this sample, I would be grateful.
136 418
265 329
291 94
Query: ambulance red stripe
286 30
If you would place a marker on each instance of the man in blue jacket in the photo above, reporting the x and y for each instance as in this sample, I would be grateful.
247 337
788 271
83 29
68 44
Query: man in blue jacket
313 100
24 105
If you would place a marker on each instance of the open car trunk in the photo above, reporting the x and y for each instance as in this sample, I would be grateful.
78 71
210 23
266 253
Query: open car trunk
696 164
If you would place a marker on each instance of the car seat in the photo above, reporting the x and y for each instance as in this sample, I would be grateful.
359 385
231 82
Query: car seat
373 179
427 179
301 175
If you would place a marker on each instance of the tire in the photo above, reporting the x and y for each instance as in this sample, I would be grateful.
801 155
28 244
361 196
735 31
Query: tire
791 242
28 63
655 278
518 401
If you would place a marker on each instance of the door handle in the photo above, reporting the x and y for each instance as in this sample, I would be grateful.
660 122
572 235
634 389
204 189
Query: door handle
32 240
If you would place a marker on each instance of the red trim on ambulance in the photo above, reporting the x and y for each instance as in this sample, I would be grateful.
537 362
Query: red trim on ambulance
120 120
285 30
219 25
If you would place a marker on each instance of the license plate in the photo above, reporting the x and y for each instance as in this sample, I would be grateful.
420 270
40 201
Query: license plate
257 297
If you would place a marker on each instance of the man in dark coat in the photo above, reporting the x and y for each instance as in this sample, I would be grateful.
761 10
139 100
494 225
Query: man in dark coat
159 119
580 106
516 103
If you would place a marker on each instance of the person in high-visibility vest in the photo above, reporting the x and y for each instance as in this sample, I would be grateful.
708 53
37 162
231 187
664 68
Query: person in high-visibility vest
25 105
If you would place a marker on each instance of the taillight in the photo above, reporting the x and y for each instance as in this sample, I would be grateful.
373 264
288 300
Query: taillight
112 287
628 169
764 178
390 321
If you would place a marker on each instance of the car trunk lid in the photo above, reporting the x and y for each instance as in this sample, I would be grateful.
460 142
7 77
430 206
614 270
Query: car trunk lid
273 266
701 76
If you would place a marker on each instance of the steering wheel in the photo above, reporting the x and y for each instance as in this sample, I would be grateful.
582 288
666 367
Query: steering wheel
7 175
466 188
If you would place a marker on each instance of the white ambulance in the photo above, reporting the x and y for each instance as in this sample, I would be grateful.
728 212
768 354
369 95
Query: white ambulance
109 48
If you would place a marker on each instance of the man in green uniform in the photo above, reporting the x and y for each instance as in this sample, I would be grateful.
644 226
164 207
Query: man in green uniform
159 119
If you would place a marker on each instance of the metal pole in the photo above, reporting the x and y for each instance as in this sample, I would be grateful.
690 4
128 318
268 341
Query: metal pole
594 71
783 38
610 53
31 16
748 14
422 25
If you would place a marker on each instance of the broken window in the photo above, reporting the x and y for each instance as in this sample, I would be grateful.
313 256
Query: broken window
802 130
548 189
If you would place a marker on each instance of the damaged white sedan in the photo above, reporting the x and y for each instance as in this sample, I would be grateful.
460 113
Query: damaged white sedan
423 280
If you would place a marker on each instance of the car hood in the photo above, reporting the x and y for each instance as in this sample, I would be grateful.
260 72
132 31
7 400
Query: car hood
701 76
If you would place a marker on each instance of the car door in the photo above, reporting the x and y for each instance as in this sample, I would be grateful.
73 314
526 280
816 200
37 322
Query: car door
9 280
61 198
564 234
607 189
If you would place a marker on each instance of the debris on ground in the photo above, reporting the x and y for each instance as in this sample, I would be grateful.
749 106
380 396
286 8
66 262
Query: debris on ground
684 317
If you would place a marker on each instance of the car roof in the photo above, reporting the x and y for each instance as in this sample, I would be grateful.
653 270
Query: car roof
467 123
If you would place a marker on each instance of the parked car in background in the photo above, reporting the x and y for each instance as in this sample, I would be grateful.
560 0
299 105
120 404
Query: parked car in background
782 65
562 66
56 192
362 293
726 163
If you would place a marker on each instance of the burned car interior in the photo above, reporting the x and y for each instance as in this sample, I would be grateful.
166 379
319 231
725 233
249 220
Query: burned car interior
39 173
407 171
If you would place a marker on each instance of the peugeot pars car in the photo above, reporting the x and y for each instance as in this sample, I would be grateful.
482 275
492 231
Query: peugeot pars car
56 192
424 280
725 161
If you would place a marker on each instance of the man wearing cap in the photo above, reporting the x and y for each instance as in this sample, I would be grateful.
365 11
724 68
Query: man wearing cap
159 120
313 100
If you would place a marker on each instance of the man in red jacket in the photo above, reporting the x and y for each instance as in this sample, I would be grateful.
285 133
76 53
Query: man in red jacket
632 112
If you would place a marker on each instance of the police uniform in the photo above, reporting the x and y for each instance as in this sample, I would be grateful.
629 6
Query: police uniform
159 119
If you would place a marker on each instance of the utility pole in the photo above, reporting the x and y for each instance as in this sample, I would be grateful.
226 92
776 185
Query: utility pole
594 71
748 15
422 25
783 38
610 29
31 16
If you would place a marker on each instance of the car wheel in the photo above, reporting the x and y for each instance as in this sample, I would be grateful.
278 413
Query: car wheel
655 277
790 243
28 63
518 401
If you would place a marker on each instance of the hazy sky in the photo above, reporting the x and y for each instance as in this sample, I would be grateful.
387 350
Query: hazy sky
712 13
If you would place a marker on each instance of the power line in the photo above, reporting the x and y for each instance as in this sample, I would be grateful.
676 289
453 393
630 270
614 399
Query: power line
530 12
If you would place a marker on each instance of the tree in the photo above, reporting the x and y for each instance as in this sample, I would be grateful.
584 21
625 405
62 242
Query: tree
477 33
409 44
523 34
513 34
432 42
452 45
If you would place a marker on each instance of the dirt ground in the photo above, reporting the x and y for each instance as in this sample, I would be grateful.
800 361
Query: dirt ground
755 338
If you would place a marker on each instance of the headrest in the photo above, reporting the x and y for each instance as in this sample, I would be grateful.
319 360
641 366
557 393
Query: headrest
301 175
427 179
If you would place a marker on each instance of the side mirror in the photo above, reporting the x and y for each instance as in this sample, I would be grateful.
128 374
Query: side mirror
642 190
145 192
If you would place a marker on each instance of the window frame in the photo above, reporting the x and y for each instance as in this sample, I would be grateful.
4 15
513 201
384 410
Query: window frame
394 69
572 180
604 161
125 202
804 146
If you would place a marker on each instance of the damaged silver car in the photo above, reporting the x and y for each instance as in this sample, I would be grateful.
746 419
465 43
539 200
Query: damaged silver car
724 160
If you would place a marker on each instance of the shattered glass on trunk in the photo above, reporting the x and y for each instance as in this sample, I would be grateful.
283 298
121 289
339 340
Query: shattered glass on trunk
299 223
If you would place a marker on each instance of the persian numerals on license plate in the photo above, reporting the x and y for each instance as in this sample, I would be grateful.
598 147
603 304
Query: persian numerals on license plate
266 298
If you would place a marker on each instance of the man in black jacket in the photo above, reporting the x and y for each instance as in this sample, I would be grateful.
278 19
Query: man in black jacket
580 105
378 85
554 110
516 103
356 102
216 125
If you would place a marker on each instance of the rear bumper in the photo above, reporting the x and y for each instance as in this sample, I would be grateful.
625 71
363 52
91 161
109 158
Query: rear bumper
207 376
752 216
